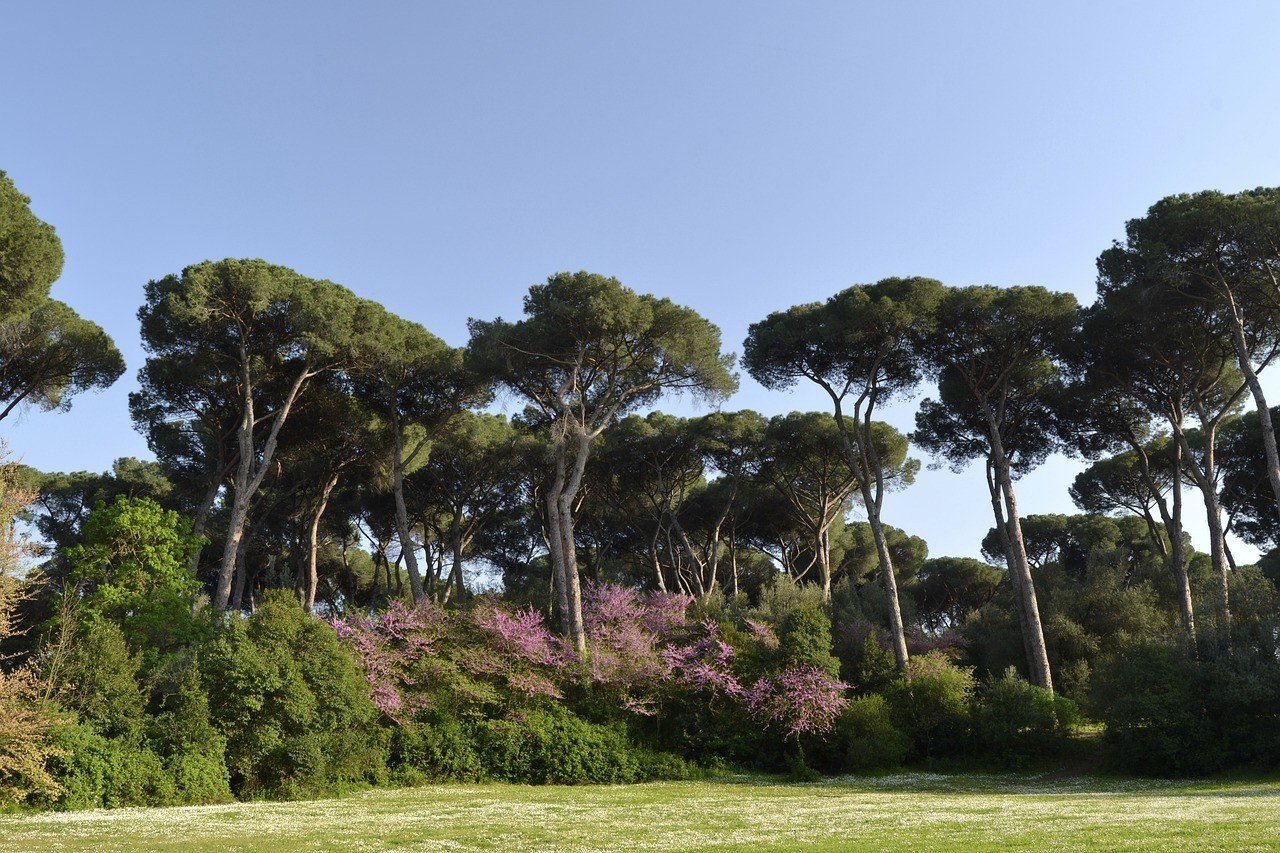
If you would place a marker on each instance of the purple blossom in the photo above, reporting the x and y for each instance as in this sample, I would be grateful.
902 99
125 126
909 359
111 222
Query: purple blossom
802 699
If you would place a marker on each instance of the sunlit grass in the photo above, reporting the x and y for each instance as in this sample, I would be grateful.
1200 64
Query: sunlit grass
906 810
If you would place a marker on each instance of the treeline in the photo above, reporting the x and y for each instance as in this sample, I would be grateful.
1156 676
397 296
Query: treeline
311 441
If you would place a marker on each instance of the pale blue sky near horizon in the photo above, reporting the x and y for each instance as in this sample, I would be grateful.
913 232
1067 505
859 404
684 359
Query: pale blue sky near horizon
736 157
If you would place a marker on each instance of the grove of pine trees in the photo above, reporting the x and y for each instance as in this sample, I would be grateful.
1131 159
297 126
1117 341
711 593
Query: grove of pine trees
343 567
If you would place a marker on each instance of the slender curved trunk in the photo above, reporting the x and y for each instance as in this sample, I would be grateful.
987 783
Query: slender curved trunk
1204 474
896 628
1006 544
456 572
555 542
1178 551
570 479
1269 448
864 460
1019 564
407 549
313 546
250 472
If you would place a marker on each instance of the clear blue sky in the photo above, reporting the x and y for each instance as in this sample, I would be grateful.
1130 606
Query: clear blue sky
737 157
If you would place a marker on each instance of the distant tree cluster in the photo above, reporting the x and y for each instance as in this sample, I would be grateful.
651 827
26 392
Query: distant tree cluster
628 587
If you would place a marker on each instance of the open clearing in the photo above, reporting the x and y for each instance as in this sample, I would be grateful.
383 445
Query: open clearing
910 810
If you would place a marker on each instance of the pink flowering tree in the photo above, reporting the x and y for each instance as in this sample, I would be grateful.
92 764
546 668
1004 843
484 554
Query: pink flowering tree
801 700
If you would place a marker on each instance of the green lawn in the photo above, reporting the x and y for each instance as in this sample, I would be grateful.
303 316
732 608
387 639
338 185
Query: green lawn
909 810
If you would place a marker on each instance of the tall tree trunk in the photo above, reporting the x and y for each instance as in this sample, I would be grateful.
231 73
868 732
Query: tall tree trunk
249 476
1020 565
407 548
555 541
1178 552
569 470
456 573
824 563
1006 544
1205 475
313 546
864 459
1259 398
896 628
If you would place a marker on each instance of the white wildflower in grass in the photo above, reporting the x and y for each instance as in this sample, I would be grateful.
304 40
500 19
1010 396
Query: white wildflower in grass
926 811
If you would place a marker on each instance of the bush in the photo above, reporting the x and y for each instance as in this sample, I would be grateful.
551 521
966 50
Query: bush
804 639
867 738
98 772
555 747
97 678
1015 720
1166 714
440 751
934 707
291 704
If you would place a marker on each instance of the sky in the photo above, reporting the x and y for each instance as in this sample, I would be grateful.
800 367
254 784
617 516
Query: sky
736 157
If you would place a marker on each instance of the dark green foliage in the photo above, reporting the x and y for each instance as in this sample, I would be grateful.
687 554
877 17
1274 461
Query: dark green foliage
30 253
805 640
866 665
1166 714
290 702
439 751
935 707
1014 720
97 678
102 772
125 747
866 738
133 568
555 747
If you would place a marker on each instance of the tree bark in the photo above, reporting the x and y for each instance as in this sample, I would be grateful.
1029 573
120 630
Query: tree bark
1204 473
864 459
313 546
456 573
1259 398
248 475
407 549
1006 544
1019 564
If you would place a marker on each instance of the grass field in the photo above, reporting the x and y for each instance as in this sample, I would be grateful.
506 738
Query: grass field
916 810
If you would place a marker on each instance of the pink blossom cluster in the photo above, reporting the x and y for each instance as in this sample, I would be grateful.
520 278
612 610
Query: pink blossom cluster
388 646
802 699
643 649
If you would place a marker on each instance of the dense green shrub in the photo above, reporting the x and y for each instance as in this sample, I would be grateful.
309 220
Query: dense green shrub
1015 720
96 677
804 639
133 567
555 747
100 772
1167 714
291 704
441 750
934 708
866 737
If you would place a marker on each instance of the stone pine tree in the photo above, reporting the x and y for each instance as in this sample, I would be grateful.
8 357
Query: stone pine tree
803 463
1169 353
266 331
1116 399
587 351
416 383
997 356
1219 255
48 353
856 347
30 253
